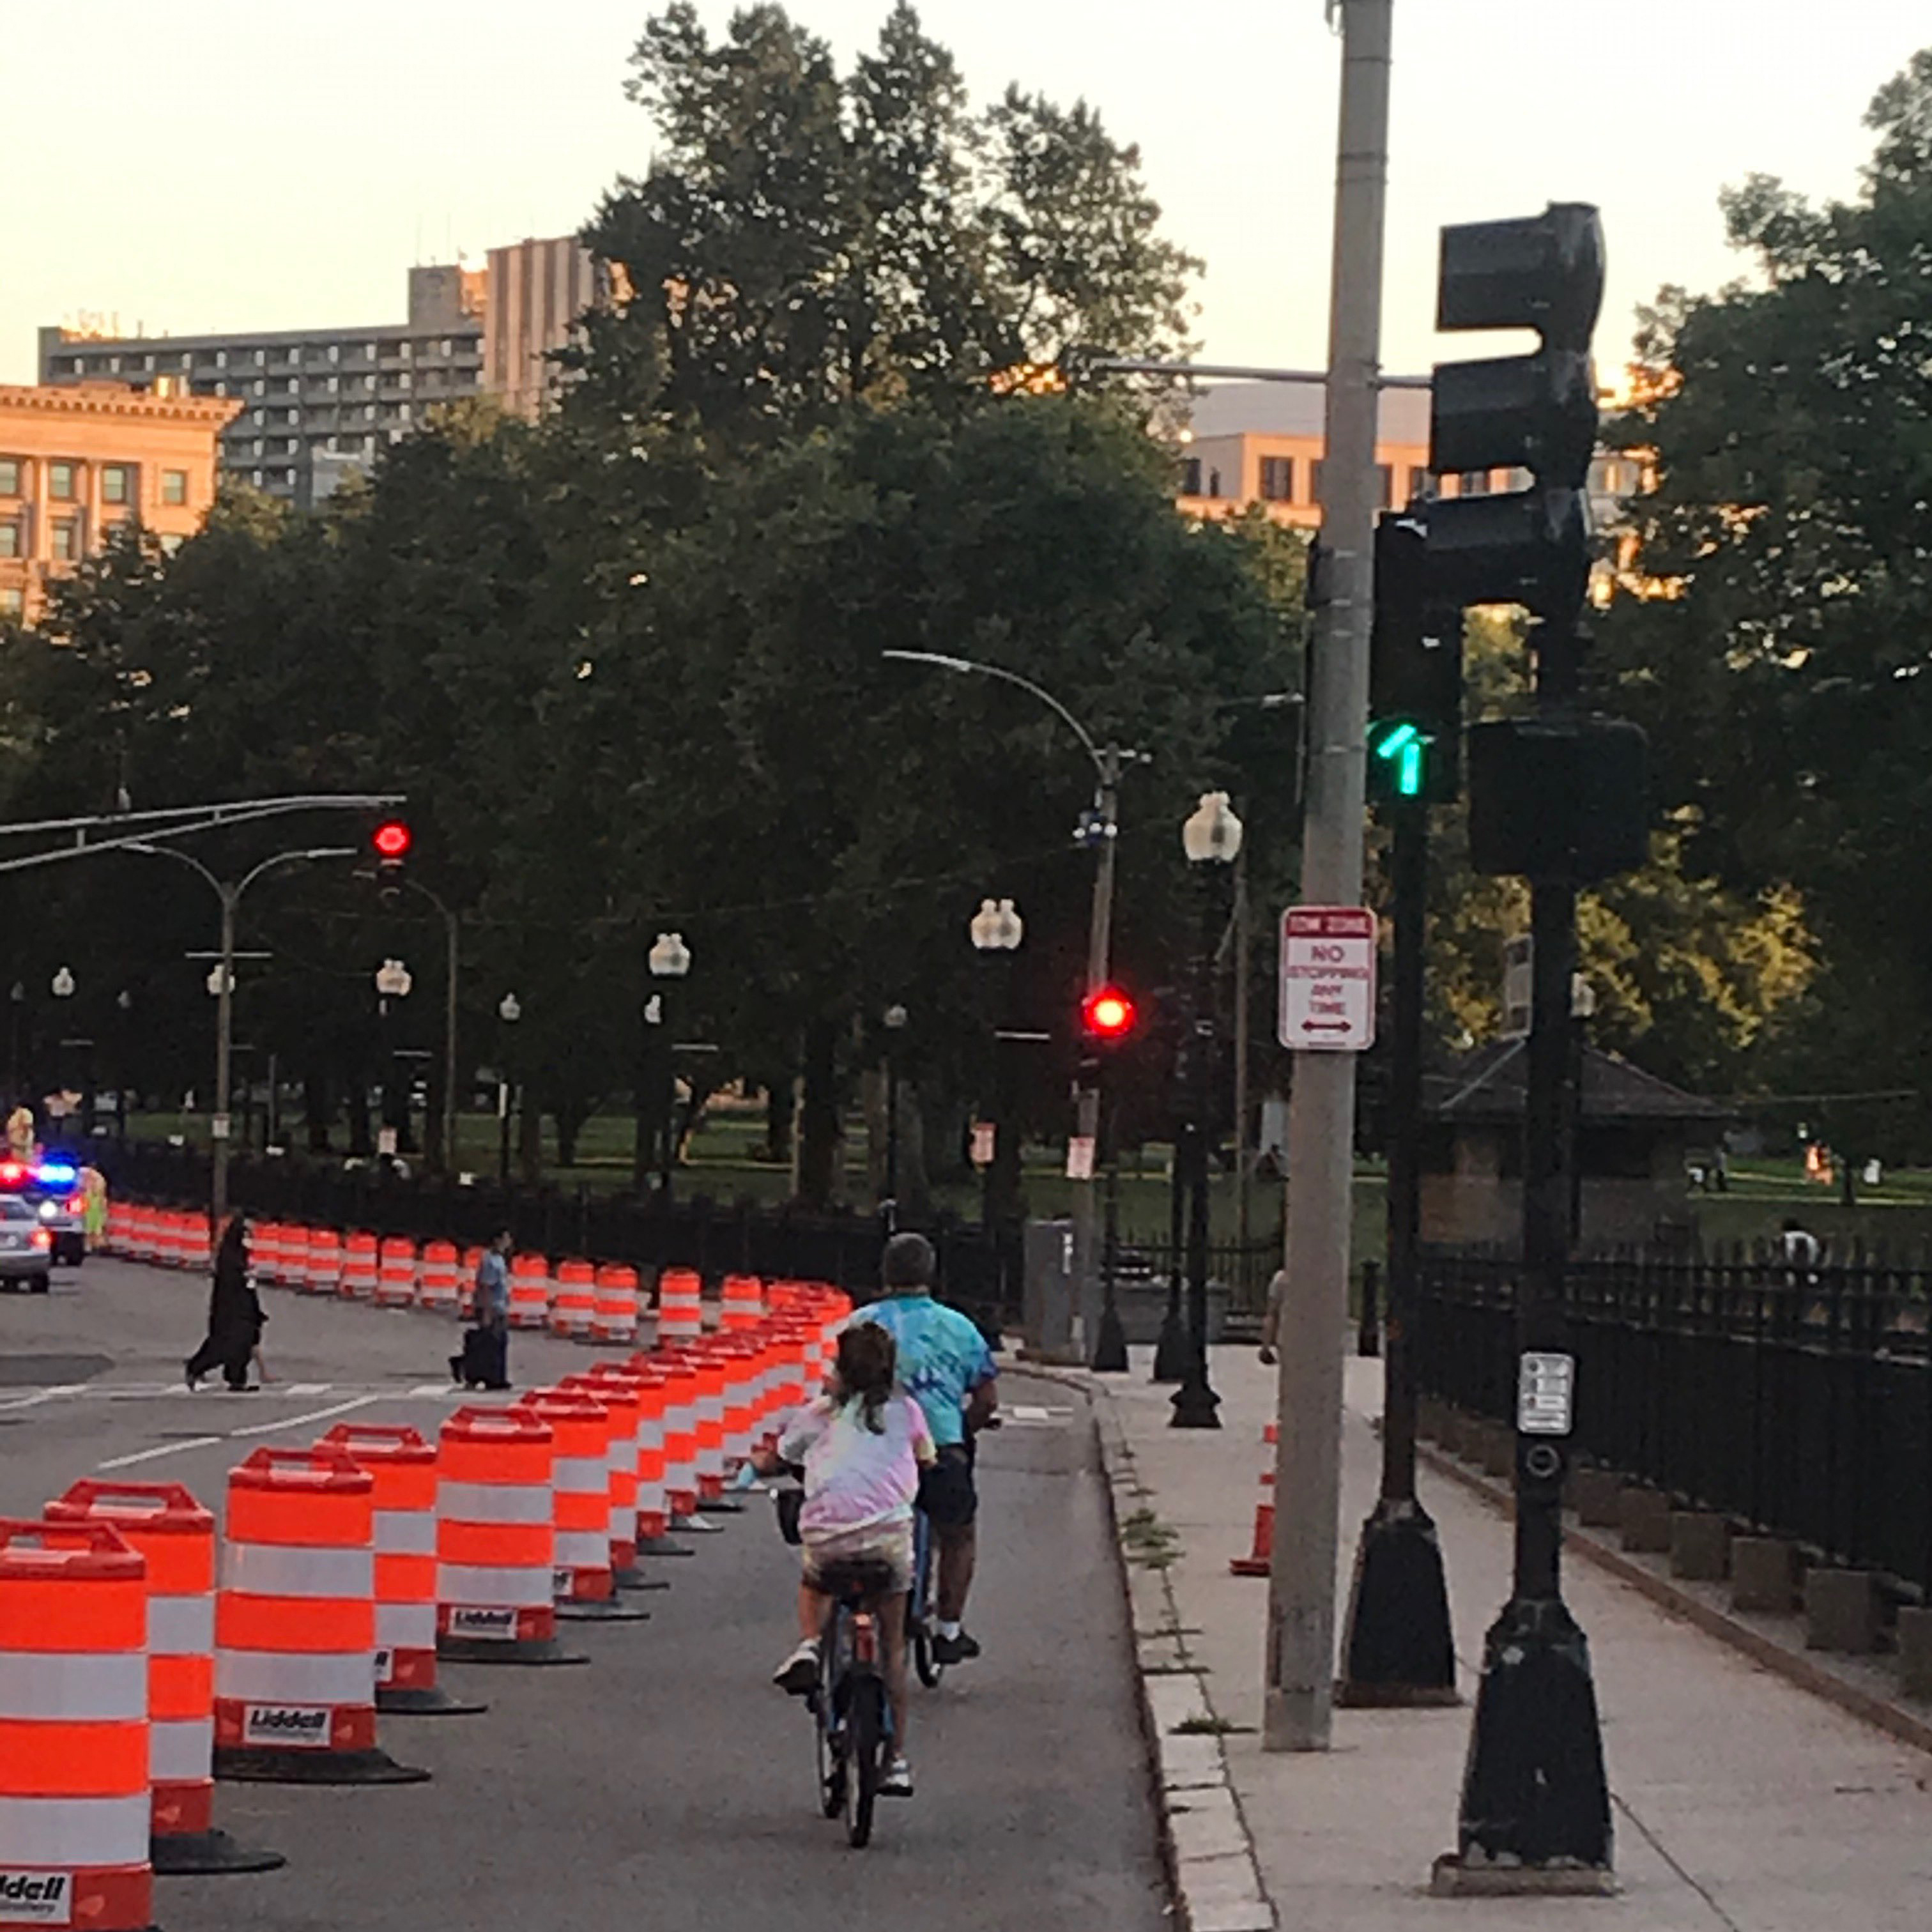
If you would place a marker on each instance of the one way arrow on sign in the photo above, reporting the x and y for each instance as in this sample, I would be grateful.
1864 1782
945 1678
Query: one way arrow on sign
1327 979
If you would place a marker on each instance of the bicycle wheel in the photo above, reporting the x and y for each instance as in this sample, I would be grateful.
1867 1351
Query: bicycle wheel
825 1736
865 1744
919 1614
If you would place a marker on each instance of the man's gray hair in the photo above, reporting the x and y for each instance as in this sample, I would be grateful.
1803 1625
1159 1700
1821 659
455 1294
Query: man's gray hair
908 1262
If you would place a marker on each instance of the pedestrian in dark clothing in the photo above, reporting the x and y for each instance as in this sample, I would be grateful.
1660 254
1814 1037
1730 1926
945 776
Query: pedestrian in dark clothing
234 1317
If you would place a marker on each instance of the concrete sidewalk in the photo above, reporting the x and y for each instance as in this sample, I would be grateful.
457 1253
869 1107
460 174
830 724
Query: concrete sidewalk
1742 1804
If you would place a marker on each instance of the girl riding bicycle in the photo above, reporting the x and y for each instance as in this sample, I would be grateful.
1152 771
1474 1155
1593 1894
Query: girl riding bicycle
862 1444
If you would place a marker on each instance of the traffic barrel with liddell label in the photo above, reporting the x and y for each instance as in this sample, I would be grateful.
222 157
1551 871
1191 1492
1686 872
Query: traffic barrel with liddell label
174 1537
295 1625
402 1467
74 1732
582 1579
495 1540
615 1318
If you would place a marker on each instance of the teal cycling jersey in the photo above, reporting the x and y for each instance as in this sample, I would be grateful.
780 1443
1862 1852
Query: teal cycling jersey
942 1358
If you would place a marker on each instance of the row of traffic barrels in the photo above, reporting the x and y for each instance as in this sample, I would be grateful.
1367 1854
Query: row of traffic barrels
143 1656
599 1302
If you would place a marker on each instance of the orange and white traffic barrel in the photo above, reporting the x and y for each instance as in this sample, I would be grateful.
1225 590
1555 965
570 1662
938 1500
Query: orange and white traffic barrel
402 1466
74 1806
615 1318
465 1282
744 1372
321 1272
573 1308
1255 1563
295 1624
395 1273
495 1540
174 1537
622 1396
680 1305
680 1373
581 1577
654 1537
741 1303
437 1282
359 1266
714 1375
529 1292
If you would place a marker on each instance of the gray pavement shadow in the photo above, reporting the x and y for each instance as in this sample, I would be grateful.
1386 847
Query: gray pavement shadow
46 1371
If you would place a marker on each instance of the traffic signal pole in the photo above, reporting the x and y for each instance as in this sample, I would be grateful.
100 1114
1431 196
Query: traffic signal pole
1299 1661
1535 1811
1397 1647
1107 1347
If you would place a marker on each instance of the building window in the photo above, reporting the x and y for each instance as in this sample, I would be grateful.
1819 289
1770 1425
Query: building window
117 484
261 358
1385 487
256 478
1421 484
13 602
66 540
1190 476
61 482
335 386
335 352
261 447
369 353
1278 479
1473 483
11 537
174 486
288 479
10 475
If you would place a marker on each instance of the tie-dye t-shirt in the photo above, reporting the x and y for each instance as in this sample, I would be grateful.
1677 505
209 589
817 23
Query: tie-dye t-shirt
855 1479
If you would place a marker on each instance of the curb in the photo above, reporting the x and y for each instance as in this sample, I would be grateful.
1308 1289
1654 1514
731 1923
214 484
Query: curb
1792 1666
1206 1845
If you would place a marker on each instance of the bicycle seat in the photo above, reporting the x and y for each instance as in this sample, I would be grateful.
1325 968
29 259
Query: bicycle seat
853 1579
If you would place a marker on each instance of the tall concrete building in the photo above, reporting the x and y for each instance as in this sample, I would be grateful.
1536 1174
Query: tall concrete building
316 404
78 460
538 290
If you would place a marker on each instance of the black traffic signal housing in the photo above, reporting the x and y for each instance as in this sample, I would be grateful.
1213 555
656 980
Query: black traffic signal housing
1551 799
1537 412
390 842
1415 671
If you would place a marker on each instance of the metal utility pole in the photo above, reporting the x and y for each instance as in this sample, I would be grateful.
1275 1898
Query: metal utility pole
1107 1347
1299 1663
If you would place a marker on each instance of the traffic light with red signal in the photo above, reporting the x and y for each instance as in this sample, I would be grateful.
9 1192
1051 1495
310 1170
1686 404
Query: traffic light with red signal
391 841
1107 1016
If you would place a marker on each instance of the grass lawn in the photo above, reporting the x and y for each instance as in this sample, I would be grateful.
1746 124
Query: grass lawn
722 1164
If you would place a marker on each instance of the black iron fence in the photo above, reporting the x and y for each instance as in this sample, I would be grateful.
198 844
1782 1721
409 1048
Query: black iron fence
980 1269
1796 1399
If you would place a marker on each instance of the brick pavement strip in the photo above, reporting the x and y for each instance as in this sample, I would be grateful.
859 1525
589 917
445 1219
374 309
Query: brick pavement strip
1742 1802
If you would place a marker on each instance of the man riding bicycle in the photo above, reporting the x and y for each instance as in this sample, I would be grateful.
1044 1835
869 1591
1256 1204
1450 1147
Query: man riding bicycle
944 1363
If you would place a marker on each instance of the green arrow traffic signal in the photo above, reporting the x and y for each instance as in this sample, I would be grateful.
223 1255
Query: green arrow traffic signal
1400 747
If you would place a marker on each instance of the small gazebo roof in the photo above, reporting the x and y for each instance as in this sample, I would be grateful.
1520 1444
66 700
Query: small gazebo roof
1488 1088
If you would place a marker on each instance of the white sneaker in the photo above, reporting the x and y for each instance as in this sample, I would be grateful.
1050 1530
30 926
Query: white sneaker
798 1673
897 1781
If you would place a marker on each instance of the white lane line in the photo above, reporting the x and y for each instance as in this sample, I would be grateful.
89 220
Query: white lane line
153 1455
425 1390
296 1421
305 1388
1027 1411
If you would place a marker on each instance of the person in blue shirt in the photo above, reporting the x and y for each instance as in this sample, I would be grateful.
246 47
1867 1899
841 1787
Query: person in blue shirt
485 1361
946 1366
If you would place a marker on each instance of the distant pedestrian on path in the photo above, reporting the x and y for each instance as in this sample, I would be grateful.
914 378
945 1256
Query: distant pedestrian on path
485 1362
234 1317
1277 1293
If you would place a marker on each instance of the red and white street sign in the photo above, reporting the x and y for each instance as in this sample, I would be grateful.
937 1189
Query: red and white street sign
1328 979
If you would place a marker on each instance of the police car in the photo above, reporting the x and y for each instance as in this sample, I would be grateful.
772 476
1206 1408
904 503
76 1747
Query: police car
52 1187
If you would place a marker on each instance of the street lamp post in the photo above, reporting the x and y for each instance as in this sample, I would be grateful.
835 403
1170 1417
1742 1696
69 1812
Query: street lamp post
62 986
1211 838
1099 827
996 931
229 892
669 961
896 1017
509 1010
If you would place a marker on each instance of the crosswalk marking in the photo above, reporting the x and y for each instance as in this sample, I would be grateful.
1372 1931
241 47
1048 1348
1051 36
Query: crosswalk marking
1035 1415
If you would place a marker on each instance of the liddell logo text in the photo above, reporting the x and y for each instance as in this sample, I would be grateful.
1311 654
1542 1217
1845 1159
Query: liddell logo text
385 1665
473 1622
305 1726
36 1897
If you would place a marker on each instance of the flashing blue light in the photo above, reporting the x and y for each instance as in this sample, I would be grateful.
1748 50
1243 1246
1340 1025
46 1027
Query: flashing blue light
57 1173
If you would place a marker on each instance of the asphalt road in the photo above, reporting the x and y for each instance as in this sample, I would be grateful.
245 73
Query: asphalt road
668 1783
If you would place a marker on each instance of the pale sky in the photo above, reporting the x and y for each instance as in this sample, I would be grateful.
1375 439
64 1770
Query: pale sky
190 165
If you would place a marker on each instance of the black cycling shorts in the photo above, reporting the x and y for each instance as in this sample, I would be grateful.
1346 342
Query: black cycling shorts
945 1490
